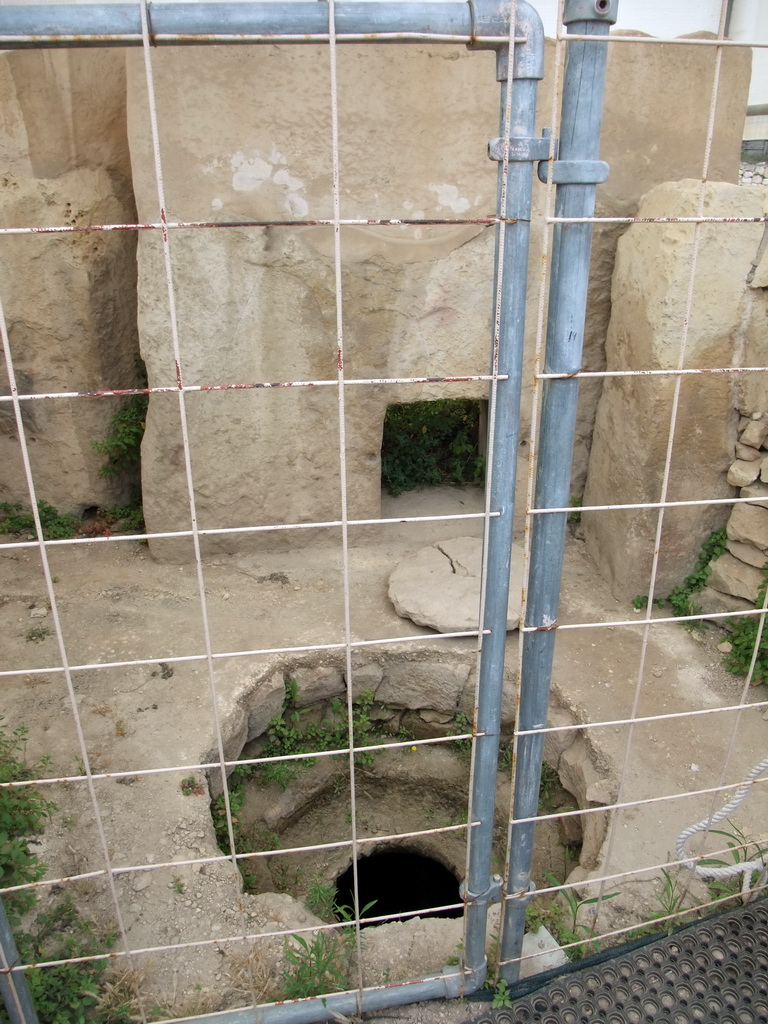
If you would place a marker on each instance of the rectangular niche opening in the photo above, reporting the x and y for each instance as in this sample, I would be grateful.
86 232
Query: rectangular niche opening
433 444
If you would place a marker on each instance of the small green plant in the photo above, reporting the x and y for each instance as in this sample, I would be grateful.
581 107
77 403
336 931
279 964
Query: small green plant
461 726
679 599
316 966
572 931
120 727
431 443
574 518
191 786
122 445
501 997
67 993
742 849
670 913
56 525
179 885
36 634
23 811
130 517
744 637
548 788
320 899
285 772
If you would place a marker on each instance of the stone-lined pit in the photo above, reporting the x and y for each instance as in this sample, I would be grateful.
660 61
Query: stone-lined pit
399 791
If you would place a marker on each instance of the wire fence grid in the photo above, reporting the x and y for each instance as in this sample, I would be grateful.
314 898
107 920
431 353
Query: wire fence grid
186 778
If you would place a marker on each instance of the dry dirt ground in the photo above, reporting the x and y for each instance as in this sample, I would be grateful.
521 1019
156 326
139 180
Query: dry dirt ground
116 604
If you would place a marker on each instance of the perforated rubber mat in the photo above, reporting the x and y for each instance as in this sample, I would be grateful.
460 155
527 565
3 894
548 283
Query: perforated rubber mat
712 971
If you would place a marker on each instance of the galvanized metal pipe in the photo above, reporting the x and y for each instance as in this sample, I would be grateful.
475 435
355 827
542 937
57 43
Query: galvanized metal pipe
527 69
582 107
78 25
14 988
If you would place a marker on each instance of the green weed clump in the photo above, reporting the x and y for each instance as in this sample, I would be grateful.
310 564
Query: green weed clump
67 993
744 637
122 445
431 443
288 734
322 963
679 599
56 525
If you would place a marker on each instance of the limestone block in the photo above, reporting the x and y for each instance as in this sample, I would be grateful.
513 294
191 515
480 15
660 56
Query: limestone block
416 685
734 577
747 454
435 717
556 742
743 473
747 553
712 602
439 586
314 684
580 777
749 524
263 703
366 677
508 697
756 490
755 433
631 431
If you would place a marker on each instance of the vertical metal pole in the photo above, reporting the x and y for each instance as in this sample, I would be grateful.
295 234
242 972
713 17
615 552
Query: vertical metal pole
577 170
527 69
13 984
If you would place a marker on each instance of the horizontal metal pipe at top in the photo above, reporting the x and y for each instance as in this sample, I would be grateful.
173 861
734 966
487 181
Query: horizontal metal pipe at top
76 25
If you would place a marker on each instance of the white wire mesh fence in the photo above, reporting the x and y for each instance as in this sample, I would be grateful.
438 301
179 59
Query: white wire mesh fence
226 729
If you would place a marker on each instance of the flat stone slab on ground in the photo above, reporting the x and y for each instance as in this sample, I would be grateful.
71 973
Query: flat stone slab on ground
439 586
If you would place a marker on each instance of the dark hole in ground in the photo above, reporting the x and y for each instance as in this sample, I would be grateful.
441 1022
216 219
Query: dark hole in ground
400 882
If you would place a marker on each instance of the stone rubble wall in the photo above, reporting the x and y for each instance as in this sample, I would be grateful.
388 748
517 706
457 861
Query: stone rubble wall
245 133
753 174
737 572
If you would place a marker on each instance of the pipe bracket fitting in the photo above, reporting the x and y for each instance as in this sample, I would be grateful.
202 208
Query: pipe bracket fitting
493 894
520 149
574 172
590 10
523 897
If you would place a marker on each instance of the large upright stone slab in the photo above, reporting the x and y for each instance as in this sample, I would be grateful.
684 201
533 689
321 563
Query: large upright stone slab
650 286
70 309
69 300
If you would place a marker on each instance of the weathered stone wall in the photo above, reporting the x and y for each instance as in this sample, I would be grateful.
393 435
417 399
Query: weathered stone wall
418 300
246 134
69 300
726 328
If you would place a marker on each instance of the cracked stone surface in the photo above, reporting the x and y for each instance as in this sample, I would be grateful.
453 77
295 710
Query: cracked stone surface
439 586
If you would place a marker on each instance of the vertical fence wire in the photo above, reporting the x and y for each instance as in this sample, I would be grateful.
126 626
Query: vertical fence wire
334 98
173 324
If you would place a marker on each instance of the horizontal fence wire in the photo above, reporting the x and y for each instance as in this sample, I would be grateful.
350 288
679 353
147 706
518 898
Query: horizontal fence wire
595 921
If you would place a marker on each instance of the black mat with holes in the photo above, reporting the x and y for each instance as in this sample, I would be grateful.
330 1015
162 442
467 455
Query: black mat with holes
713 972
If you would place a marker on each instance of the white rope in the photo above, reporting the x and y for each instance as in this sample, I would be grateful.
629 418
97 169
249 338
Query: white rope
746 868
